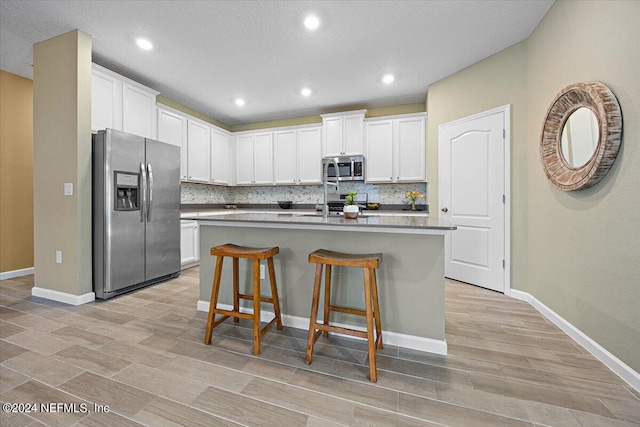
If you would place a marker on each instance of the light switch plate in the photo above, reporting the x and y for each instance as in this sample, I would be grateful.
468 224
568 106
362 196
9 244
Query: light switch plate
59 257
68 188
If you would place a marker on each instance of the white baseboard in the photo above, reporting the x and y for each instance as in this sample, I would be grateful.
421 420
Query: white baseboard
16 273
616 365
63 296
189 264
392 338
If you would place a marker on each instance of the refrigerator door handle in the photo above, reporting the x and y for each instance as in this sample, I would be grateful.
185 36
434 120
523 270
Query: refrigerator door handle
143 190
150 205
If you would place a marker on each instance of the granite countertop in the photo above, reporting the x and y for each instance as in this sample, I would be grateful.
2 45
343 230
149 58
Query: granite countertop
310 219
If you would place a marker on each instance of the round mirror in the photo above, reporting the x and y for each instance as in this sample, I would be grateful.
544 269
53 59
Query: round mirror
580 136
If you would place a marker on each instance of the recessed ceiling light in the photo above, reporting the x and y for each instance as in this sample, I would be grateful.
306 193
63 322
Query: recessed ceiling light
388 78
239 102
144 44
305 91
312 22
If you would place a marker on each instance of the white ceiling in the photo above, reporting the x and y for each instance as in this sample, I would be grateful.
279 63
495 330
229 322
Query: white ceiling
208 53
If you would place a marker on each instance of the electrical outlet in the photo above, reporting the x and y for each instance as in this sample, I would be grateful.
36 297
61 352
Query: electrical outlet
68 188
59 257
262 271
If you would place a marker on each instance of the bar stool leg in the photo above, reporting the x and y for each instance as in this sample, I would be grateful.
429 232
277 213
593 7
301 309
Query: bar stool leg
274 293
327 298
373 376
376 308
215 287
256 307
314 313
236 288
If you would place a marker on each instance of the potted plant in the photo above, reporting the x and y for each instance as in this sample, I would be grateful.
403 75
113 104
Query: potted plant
351 208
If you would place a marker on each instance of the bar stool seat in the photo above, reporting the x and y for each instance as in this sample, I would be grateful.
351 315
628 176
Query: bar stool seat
256 254
369 263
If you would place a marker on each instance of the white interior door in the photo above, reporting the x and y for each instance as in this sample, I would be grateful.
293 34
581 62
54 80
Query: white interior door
472 195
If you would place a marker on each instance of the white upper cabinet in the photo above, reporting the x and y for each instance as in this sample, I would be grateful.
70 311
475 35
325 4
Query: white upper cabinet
309 155
244 159
284 157
106 100
333 136
343 133
263 158
297 156
220 172
139 111
379 156
122 104
172 129
254 158
205 154
396 149
411 149
198 152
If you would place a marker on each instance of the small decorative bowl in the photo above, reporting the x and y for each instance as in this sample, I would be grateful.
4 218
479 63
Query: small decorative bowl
285 204
373 206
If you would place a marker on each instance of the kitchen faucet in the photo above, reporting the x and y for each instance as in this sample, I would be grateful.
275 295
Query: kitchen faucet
325 182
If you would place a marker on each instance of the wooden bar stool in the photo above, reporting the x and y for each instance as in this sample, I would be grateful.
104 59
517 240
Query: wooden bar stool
369 263
256 254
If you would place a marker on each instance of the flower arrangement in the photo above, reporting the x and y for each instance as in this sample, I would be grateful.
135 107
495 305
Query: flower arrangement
413 197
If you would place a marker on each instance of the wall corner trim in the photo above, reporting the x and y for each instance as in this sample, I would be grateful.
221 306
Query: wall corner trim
392 338
16 273
63 296
612 362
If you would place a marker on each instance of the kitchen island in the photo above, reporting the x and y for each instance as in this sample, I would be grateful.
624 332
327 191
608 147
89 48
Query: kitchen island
410 278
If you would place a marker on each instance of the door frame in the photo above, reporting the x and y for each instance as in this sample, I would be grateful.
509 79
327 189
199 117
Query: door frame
506 110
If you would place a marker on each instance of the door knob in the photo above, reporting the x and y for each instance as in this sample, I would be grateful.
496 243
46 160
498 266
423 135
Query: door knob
444 209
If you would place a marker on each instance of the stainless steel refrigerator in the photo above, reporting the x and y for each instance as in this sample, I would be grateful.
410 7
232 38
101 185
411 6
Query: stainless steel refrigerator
136 212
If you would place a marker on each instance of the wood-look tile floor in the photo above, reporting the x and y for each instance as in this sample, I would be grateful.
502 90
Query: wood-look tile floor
142 355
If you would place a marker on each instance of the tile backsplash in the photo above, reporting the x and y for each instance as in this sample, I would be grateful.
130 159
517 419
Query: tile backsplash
302 194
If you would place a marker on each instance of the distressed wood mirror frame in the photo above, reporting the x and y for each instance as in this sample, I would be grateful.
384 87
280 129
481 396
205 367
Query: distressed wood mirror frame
598 98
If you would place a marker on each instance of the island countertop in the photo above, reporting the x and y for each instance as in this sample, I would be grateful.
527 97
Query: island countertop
394 223
410 279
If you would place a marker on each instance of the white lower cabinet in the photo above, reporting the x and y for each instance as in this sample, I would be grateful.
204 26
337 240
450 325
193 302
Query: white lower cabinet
396 149
189 243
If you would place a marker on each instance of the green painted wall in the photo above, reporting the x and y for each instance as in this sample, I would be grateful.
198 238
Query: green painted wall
177 106
576 252
583 245
493 82
291 121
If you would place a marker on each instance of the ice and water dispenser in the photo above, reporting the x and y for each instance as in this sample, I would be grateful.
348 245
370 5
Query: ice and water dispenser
127 192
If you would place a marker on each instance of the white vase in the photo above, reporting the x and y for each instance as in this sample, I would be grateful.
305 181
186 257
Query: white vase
351 211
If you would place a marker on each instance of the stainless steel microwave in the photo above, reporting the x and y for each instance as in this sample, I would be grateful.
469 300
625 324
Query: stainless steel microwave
346 168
